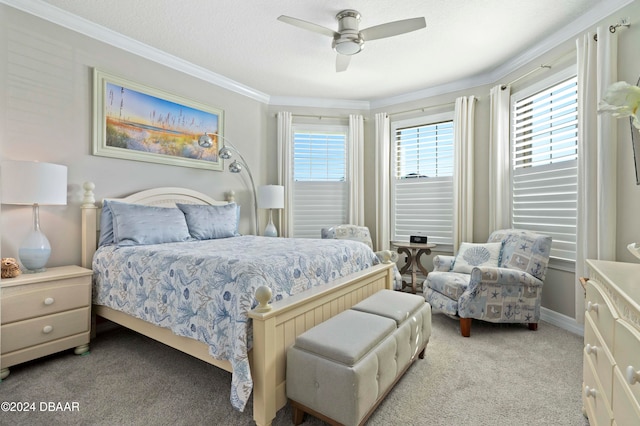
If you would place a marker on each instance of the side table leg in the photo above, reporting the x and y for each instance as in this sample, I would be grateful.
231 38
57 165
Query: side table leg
4 373
414 271
405 268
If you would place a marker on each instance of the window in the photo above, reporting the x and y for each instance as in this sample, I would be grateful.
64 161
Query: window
544 140
422 179
320 187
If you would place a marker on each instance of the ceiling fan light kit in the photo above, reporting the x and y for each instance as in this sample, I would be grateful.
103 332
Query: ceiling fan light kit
348 40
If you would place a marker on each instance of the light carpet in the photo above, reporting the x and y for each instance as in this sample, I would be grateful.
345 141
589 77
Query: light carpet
501 375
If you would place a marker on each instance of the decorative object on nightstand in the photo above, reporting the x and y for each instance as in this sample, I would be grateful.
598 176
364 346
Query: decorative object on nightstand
10 268
45 313
225 152
34 183
271 197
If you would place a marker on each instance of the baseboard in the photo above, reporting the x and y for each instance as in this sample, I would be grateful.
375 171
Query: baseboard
562 321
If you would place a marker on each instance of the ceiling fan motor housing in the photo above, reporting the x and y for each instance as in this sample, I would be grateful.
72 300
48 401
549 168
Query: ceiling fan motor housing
348 40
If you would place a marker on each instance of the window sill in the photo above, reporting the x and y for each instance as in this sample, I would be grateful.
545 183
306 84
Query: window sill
562 265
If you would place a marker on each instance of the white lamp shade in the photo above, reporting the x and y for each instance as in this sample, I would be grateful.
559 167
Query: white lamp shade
271 197
32 182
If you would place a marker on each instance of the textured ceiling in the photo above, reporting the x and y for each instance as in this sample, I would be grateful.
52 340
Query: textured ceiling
243 40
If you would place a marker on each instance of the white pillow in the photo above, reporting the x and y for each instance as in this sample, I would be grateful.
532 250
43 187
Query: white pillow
472 255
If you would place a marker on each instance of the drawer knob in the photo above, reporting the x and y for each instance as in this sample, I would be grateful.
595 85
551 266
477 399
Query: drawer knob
589 392
592 307
47 329
591 349
633 376
49 301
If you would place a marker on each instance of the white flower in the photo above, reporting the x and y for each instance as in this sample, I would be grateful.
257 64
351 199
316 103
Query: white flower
622 100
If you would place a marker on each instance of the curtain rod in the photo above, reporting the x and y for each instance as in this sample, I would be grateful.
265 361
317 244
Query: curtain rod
422 109
623 22
504 86
321 117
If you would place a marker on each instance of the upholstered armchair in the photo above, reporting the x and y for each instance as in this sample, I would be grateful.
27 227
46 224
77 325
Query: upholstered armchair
500 281
362 234
348 232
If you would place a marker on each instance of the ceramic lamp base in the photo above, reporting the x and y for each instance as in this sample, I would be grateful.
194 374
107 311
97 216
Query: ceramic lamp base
35 250
270 230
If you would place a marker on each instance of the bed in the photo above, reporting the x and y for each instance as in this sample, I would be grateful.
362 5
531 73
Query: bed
272 327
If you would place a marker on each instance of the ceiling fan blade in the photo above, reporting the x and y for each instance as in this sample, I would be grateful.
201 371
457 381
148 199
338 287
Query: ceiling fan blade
342 62
307 25
392 28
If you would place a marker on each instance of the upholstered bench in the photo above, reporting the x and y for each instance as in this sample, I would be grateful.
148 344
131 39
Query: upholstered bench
341 369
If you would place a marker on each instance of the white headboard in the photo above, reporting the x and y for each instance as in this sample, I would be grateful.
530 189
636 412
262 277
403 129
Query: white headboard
162 197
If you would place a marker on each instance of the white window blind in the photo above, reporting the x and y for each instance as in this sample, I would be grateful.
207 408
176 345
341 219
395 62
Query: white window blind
545 175
422 181
320 188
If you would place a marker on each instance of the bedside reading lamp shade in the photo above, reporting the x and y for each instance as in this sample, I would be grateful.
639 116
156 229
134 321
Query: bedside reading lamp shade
34 184
271 197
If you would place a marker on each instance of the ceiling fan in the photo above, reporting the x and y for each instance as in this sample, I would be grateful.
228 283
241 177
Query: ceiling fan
348 41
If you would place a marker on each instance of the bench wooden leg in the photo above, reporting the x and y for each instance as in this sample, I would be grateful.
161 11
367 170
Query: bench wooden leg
533 326
298 415
465 327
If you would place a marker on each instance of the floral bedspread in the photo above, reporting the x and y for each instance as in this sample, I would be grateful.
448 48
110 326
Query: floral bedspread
204 289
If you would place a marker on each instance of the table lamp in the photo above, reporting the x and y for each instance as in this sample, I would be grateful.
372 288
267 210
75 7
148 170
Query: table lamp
271 197
34 183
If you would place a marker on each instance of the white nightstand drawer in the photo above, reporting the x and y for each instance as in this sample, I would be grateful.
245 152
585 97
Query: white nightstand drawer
601 312
36 300
35 331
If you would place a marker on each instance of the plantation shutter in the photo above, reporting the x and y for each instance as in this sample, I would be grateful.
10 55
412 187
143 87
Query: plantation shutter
545 174
320 189
422 184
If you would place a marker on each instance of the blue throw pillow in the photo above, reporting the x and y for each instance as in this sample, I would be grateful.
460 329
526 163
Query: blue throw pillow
136 224
207 222
106 225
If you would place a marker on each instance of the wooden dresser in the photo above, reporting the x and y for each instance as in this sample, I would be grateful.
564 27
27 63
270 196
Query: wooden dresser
44 313
611 372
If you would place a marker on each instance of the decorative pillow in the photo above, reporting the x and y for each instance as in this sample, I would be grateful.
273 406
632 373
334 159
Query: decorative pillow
207 222
136 224
472 255
106 225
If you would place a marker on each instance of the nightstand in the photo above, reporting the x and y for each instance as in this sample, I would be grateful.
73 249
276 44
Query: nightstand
44 313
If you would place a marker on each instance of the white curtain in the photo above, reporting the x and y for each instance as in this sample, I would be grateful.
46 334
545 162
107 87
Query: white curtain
597 140
499 159
285 141
463 171
382 175
356 170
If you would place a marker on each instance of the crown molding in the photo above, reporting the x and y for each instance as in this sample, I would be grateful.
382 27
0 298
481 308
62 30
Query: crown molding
588 19
294 101
89 29
80 25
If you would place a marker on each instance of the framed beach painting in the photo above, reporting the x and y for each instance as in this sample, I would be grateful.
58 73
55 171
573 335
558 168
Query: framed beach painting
136 122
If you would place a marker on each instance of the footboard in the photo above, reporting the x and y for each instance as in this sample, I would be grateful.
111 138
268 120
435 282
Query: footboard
276 327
